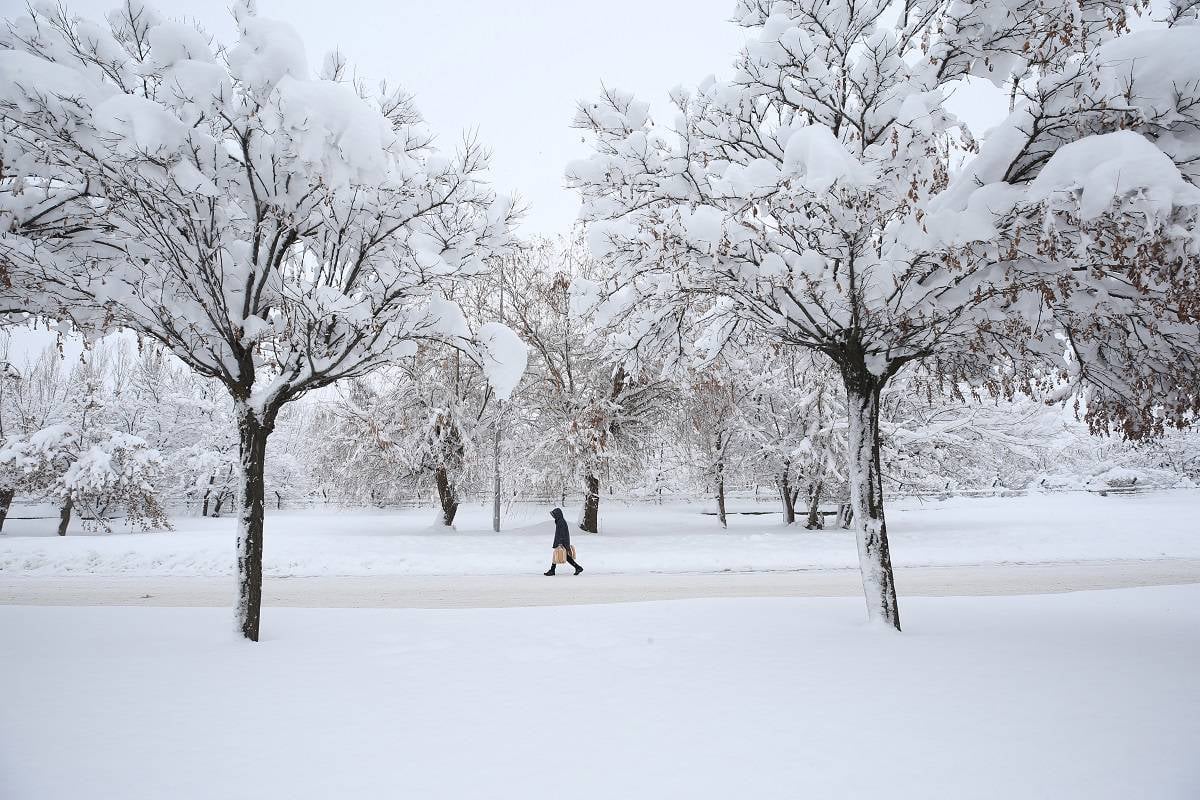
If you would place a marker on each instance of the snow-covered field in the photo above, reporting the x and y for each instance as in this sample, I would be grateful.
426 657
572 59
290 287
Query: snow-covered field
639 539
1087 695
1080 695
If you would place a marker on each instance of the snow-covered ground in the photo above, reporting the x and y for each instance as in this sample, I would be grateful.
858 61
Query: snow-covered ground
1048 528
1088 695
1081 695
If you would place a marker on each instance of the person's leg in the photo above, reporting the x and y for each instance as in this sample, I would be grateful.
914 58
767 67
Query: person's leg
551 570
571 561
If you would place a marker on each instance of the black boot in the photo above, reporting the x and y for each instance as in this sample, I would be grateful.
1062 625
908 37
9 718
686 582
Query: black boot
578 569
549 571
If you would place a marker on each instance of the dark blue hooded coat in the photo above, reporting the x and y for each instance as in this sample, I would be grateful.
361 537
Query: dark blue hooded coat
562 535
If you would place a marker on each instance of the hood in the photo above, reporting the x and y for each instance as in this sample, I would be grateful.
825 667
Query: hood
556 513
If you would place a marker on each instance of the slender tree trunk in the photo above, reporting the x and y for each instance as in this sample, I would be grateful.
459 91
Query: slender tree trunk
815 521
496 467
785 494
6 498
449 463
721 493
447 495
252 443
866 494
590 521
207 494
64 515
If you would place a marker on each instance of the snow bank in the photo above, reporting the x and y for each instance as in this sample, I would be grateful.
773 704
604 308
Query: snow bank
1090 695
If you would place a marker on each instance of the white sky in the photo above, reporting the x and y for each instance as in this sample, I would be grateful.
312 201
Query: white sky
512 70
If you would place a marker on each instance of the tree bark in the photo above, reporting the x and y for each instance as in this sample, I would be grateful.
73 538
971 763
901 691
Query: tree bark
252 444
590 521
6 498
447 495
815 520
208 494
721 493
785 494
496 465
64 515
449 462
866 494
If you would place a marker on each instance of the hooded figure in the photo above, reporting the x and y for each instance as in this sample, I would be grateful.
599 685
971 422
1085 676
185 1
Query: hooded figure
562 538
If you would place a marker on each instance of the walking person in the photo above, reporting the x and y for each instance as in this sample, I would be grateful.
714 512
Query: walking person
562 538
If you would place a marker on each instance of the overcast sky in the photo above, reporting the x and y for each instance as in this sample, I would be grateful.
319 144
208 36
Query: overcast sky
512 70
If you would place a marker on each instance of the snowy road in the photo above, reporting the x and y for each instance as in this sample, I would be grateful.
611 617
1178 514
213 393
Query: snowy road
500 591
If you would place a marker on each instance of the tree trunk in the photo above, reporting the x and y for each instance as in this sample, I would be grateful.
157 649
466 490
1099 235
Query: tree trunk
815 520
252 447
6 498
207 494
785 494
64 515
866 494
220 502
496 466
590 521
721 493
447 495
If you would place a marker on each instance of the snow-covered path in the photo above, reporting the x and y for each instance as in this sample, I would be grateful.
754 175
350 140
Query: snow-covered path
501 591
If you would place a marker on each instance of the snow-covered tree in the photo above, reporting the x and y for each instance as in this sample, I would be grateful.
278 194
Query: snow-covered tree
42 462
792 414
46 411
816 198
273 229
413 429
118 469
186 417
589 409
712 398
65 443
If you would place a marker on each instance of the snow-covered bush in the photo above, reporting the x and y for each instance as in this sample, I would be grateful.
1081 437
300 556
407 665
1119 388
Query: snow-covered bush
95 472
118 470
